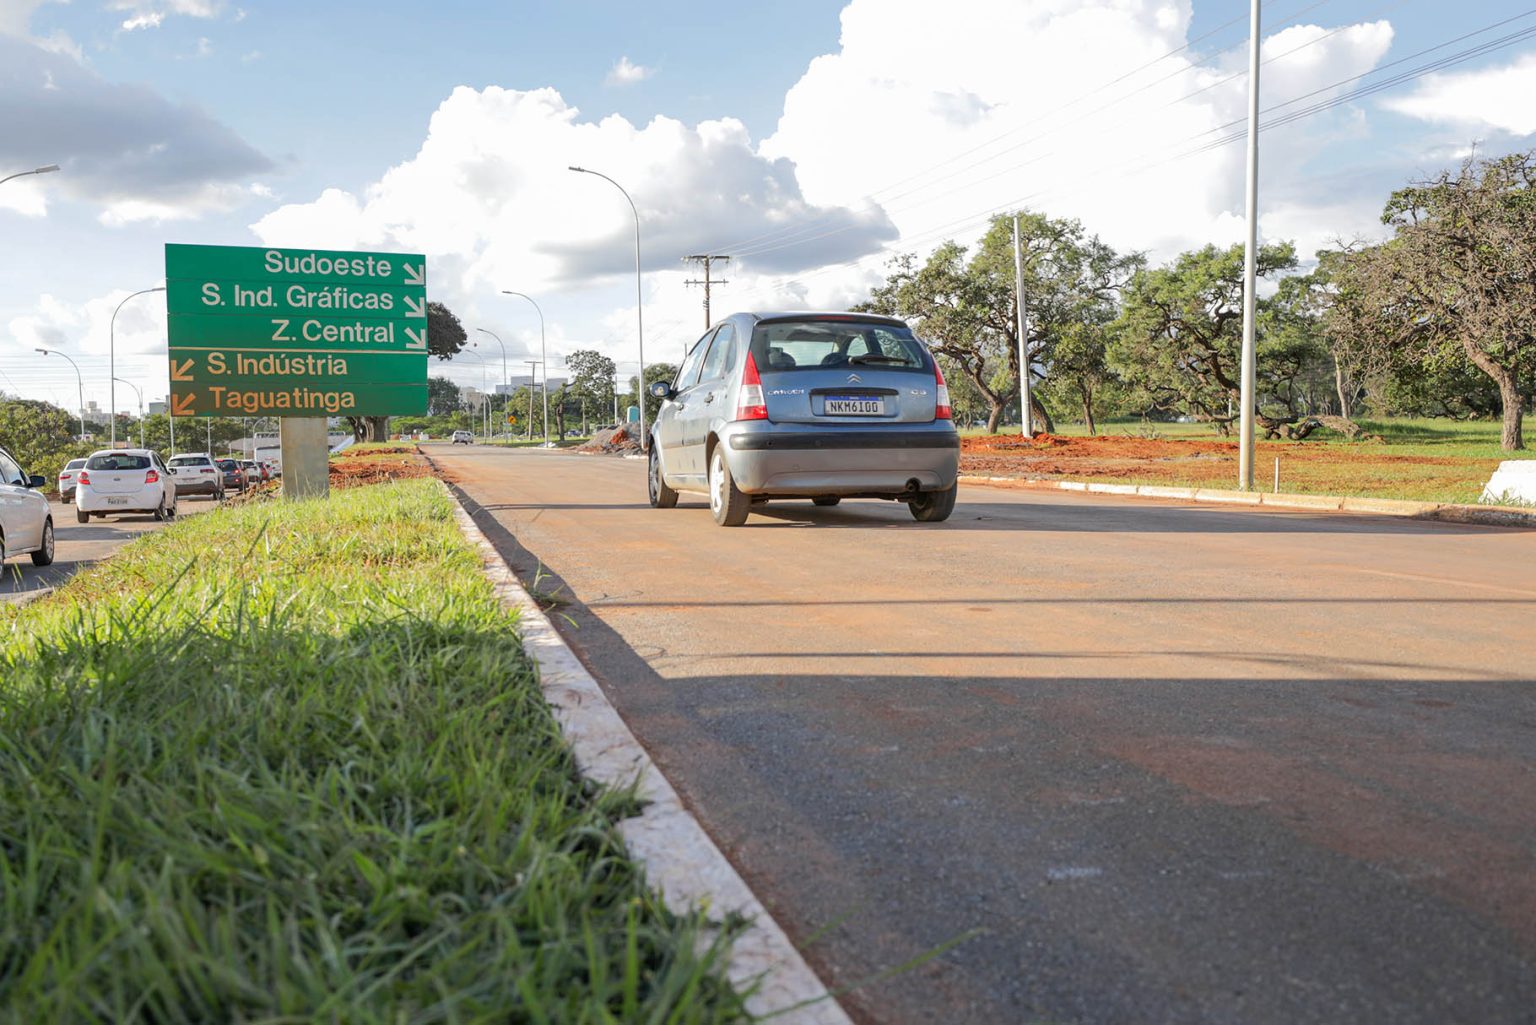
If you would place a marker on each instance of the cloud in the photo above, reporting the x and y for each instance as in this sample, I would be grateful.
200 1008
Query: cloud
488 196
1497 98
625 73
122 146
146 14
997 104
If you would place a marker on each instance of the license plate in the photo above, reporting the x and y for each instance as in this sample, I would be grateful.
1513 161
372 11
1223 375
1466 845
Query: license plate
850 405
117 501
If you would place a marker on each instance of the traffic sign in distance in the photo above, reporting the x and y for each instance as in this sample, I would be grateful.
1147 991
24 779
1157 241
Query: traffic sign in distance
295 332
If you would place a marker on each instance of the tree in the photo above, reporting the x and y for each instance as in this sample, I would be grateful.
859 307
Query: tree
445 337
442 396
1178 340
1456 284
591 381
967 308
40 435
1080 365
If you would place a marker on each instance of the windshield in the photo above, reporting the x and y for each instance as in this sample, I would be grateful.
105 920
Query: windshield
75 464
118 461
817 344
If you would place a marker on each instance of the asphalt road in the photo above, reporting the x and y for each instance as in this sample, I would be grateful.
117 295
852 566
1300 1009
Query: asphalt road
1115 761
77 545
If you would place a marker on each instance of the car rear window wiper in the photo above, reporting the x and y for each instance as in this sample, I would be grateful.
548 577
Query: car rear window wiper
875 357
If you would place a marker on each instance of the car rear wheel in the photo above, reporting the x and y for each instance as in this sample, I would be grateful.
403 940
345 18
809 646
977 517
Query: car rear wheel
726 501
826 500
44 555
160 509
81 516
662 497
934 506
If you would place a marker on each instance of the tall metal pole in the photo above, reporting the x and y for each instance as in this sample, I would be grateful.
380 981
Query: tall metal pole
645 441
1023 329
543 362
533 379
112 363
140 393
79 383
1250 261
506 386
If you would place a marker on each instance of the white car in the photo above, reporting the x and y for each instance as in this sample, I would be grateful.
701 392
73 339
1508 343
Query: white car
124 480
67 481
26 521
463 438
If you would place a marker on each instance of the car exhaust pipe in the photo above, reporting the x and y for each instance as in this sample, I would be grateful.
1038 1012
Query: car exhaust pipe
912 486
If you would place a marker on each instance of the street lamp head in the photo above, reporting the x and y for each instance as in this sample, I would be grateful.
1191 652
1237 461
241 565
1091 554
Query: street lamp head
573 167
47 170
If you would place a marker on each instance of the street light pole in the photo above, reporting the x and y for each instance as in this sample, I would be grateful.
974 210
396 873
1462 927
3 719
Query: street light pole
532 380
645 441
505 381
79 382
36 170
543 360
140 393
1250 261
112 361
485 423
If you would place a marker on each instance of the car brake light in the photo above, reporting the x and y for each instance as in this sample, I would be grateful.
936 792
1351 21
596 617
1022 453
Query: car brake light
206 470
152 477
84 478
942 411
750 405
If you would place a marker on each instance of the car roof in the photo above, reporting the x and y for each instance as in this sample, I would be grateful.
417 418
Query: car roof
121 452
768 317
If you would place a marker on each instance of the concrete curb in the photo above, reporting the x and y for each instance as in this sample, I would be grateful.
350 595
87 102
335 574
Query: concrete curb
679 858
1496 515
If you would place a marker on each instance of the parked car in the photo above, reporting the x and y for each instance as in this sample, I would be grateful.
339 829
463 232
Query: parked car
125 480
463 438
234 474
823 406
255 473
26 520
197 473
67 480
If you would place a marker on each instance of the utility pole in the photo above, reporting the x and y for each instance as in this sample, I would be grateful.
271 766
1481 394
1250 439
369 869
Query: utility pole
1023 329
616 421
706 259
1250 261
532 379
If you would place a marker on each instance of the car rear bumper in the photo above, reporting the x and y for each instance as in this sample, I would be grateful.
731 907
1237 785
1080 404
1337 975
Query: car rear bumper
809 459
201 487
132 501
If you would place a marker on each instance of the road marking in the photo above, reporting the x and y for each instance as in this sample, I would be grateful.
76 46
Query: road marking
1072 872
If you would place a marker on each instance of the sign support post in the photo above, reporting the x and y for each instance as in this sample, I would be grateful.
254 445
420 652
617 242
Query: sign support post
306 457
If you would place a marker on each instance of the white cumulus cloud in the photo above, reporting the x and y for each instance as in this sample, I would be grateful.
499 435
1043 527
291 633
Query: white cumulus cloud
627 73
1497 98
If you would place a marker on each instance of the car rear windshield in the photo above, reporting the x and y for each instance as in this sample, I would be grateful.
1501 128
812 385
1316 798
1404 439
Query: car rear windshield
117 461
188 461
782 346
228 464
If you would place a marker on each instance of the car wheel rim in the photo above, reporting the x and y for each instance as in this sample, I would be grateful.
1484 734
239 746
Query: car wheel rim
716 484
654 475
48 541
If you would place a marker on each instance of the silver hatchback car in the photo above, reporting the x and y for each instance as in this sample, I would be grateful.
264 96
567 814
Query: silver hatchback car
823 406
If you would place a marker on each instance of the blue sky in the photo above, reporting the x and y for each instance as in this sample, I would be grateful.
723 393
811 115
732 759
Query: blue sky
808 138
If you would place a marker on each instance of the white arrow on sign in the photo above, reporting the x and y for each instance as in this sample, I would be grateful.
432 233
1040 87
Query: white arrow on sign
415 274
418 338
414 308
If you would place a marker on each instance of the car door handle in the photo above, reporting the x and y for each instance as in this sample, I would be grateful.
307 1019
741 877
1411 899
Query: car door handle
709 398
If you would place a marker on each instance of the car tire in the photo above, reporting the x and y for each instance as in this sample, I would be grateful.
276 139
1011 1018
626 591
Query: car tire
729 504
662 497
826 501
44 555
160 510
934 506
81 516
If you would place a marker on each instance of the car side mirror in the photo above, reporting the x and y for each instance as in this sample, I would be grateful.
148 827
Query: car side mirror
662 389
35 481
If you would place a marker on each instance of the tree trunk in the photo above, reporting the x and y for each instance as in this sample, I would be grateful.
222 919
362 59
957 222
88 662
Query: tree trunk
1344 392
378 427
1513 440
994 414
1087 394
1039 415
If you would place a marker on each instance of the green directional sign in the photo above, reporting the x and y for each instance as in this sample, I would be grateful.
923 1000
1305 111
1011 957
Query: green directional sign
296 332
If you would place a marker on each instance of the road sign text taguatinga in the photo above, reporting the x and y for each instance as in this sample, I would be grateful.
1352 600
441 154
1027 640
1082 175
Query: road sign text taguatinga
295 332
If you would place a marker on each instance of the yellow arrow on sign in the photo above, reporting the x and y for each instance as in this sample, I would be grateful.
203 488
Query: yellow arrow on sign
181 405
182 372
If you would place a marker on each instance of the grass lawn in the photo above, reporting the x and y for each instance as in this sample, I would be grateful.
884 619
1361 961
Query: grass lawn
287 762
1427 460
